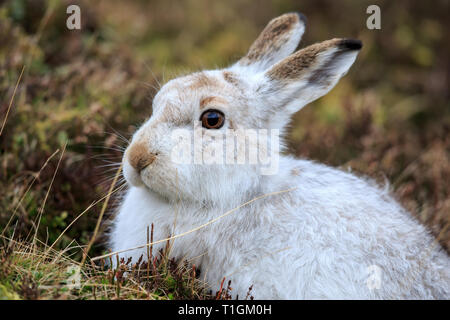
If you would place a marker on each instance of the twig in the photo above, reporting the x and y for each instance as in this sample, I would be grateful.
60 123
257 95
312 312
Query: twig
148 252
219 293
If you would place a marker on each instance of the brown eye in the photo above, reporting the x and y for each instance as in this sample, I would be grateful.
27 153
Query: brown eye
212 119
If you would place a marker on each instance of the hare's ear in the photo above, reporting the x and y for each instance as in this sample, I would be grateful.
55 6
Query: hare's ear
305 76
278 40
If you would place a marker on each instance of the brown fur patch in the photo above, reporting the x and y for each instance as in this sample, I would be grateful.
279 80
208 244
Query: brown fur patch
202 80
230 124
271 38
208 100
293 66
295 172
231 78
139 156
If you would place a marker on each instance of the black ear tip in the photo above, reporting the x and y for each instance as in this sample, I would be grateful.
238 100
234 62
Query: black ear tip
351 44
302 17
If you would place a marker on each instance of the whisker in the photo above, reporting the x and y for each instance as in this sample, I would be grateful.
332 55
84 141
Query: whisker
106 158
149 86
115 148
153 75
110 166
116 133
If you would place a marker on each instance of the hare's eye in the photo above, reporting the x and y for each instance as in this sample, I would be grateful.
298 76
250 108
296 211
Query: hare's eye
212 119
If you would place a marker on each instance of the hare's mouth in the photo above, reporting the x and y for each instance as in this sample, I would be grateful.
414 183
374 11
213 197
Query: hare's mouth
144 163
136 161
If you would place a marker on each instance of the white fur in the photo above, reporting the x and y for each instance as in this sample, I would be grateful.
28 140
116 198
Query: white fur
317 241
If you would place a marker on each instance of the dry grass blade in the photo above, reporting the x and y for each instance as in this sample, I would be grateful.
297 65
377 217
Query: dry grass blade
41 209
11 101
197 228
27 190
100 217
82 213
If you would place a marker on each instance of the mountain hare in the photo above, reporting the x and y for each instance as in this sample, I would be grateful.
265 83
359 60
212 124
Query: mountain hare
297 230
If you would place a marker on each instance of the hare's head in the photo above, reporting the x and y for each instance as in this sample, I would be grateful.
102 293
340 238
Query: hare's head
209 110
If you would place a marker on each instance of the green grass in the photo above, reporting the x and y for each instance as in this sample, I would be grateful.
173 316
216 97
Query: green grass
39 272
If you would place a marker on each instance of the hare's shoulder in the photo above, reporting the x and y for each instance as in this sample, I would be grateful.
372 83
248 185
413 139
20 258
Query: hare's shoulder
346 201
307 174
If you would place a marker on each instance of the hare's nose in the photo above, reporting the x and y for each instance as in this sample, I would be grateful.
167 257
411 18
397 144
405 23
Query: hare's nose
140 157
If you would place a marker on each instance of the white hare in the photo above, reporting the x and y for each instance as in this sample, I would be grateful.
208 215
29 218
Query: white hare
328 234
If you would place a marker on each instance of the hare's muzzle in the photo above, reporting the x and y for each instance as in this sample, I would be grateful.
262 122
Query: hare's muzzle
140 157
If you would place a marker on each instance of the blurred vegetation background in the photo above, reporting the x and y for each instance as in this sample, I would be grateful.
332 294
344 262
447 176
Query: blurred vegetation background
389 118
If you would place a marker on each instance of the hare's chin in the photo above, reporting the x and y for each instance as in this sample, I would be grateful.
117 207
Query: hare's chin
132 177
